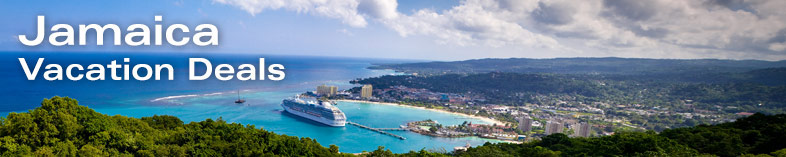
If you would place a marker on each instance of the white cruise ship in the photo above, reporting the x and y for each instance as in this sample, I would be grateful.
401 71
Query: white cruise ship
321 111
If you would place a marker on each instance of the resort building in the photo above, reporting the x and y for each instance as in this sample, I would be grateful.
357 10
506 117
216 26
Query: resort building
366 91
324 90
553 127
525 124
581 130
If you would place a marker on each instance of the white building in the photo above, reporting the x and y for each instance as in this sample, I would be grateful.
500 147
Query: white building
553 127
366 91
581 130
525 124
324 90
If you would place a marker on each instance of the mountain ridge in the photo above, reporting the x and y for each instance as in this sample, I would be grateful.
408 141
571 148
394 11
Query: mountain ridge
605 65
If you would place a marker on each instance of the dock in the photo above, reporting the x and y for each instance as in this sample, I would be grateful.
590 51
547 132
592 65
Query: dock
381 130
393 129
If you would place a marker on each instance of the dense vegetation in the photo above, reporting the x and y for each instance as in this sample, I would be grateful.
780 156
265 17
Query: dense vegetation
516 89
584 66
62 127
758 134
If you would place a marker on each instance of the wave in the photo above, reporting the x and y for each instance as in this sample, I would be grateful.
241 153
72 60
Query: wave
173 97
192 95
216 93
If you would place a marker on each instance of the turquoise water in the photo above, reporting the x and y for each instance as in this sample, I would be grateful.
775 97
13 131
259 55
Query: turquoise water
199 100
265 112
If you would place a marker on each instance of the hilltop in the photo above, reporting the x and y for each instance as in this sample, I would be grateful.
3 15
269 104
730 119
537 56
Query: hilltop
609 65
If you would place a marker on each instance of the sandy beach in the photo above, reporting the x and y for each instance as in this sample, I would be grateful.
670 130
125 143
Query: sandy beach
485 119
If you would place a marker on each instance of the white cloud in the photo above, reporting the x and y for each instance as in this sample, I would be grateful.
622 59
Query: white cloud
472 23
344 10
381 9
641 28
777 46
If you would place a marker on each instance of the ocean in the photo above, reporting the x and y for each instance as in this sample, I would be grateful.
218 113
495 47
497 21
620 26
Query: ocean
211 98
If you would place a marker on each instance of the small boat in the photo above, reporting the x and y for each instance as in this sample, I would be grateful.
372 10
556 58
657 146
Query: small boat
239 101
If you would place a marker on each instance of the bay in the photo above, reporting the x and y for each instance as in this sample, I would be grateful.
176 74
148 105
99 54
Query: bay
199 100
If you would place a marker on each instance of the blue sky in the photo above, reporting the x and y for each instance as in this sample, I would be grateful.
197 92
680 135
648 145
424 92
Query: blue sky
435 29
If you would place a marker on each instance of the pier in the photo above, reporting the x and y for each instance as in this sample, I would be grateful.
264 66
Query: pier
393 129
380 130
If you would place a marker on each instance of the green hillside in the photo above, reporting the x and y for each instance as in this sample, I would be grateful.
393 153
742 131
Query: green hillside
758 134
62 127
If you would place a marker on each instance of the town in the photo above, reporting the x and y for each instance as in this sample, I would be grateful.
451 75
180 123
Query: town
525 122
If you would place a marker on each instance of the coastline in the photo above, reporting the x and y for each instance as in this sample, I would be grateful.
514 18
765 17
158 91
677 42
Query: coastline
485 119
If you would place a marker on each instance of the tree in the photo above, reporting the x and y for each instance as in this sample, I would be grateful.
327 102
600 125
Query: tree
779 153
333 148
380 152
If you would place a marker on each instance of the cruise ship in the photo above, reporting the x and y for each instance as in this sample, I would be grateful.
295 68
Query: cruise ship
321 111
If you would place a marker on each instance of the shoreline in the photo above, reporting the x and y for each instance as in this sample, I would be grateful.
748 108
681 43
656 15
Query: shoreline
485 119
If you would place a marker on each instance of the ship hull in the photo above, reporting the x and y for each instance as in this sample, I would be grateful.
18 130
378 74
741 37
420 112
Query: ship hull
314 118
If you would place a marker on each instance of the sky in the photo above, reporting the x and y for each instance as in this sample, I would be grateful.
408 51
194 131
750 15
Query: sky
433 29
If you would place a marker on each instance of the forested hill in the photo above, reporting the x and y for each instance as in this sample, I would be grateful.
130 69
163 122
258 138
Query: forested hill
61 127
757 135
584 65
